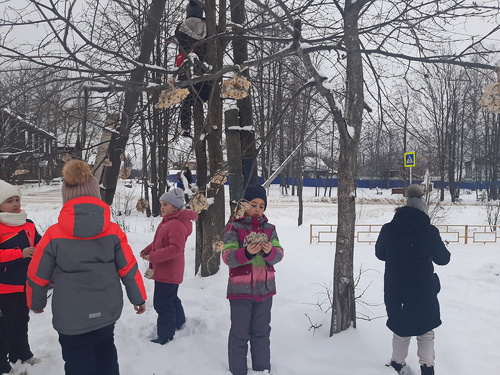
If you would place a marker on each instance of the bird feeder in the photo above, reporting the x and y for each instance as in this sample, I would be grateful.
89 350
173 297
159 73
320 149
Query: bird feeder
491 96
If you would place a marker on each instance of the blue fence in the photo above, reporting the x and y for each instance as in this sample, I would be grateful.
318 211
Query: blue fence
468 185
333 182
367 184
381 184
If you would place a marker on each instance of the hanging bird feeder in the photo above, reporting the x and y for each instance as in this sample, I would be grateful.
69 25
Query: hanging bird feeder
236 87
220 178
491 96
242 207
142 205
171 95
217 244
198 203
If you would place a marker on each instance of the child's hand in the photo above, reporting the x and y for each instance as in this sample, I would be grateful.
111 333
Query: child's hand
140 308
254 248
266 247
145 256
28 252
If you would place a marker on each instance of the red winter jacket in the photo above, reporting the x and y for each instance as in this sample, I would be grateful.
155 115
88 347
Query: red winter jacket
13 266
166 252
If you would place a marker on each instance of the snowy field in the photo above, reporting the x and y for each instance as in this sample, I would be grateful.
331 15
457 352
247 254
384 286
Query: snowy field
467 343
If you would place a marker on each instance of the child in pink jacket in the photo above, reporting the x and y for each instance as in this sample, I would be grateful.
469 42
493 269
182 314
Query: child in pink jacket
166 257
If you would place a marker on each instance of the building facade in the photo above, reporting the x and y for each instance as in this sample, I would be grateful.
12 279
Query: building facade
27 153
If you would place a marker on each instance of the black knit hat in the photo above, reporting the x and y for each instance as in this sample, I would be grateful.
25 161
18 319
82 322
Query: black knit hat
256 191
193 9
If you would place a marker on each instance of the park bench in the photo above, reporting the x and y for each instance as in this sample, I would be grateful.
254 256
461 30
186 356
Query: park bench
398 191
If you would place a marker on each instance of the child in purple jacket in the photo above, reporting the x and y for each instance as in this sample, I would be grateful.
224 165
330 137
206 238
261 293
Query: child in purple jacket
251 248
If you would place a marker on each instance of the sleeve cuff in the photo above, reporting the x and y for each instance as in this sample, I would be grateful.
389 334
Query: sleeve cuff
248 255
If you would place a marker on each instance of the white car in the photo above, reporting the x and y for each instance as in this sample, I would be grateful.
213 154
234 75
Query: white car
56 181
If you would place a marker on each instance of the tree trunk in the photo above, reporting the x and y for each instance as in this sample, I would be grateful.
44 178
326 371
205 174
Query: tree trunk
240 54
161 154
233 147
208 138
495 158
300 184
213 223
344 308
200 149
119 141
144 172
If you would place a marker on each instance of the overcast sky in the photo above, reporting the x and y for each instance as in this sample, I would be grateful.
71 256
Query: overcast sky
20 36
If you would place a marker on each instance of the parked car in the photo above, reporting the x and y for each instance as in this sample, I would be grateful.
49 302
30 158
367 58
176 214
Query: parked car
56 181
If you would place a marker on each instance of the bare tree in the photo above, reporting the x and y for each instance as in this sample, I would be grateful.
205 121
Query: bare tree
359 39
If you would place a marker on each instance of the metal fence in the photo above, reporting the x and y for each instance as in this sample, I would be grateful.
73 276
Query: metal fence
368 233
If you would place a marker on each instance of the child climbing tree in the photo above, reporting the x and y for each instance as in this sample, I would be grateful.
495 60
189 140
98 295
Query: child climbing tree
190 35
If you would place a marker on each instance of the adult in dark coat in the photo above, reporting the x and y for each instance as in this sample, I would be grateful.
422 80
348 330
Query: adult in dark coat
409 245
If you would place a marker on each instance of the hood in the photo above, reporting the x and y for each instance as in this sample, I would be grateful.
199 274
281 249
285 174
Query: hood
195 28
185 216
84 217
409 219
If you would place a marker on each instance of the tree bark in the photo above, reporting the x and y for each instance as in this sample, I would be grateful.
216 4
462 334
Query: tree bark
208 139
119 140
200 149
344 308
233 147
240 55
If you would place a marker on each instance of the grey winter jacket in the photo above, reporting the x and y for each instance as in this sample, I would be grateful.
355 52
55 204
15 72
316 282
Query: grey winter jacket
86 255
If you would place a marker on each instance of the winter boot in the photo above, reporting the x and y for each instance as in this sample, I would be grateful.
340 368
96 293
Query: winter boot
161 341
397 366
426 370
32 361
187 134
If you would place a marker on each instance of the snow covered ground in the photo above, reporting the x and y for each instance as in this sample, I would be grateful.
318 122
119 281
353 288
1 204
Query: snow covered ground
467 343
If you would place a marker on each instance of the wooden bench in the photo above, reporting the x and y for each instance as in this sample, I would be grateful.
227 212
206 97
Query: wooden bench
398 191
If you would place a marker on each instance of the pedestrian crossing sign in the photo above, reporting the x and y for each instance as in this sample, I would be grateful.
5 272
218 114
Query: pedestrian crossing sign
410 159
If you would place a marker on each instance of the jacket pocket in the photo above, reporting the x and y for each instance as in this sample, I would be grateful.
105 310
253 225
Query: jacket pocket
14 273
240 270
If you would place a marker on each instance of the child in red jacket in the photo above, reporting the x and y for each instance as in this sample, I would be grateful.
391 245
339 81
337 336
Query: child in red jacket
166 257
18 236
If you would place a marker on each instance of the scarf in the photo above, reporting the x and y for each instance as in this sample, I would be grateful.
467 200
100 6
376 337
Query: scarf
13 219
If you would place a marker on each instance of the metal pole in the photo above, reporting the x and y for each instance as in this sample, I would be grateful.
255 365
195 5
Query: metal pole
289 158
